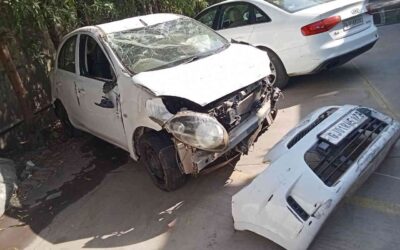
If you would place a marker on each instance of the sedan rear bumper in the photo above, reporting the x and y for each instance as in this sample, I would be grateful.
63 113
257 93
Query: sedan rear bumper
318 51
342 59
289 202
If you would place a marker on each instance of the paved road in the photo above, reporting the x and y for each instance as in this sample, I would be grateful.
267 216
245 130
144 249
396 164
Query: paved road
381 67
98 198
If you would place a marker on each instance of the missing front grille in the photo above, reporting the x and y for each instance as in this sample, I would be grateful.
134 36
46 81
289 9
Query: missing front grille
330 162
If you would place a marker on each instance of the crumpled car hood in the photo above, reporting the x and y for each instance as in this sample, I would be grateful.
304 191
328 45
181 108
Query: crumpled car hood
210 78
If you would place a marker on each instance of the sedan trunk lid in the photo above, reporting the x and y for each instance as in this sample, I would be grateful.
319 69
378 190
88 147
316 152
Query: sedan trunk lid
352 12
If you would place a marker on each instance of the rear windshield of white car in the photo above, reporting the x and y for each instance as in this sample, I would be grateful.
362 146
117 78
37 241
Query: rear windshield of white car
297 5
165 45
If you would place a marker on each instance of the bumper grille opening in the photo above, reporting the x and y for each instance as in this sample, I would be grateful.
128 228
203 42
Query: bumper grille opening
310 127
297 208
330 162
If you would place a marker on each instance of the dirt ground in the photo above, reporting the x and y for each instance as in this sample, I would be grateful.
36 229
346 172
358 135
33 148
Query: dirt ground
85 193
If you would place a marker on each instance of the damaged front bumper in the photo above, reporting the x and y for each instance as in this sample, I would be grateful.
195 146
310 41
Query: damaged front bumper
240 138
308 177
243 136
251 116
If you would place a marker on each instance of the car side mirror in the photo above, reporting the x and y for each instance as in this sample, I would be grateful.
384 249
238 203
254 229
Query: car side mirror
109 85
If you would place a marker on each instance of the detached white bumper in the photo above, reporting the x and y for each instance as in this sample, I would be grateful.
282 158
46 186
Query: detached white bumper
289 202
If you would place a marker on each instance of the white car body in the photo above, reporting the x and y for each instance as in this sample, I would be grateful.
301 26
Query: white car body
288 202
135 102
305 54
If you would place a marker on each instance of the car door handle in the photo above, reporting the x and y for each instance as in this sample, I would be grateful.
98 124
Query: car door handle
81 91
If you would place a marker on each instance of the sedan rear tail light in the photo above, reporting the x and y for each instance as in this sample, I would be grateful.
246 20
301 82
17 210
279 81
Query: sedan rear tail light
321 26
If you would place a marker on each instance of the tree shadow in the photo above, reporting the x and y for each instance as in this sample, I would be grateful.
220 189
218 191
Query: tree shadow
107 200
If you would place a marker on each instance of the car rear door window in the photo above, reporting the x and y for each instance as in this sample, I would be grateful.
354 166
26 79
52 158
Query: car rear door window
66 58
93 63
235 15
208 17
260 16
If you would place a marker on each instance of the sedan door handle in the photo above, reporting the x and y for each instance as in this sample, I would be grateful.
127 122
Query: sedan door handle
81 91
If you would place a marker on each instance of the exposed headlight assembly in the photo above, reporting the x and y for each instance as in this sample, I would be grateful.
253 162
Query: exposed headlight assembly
198 130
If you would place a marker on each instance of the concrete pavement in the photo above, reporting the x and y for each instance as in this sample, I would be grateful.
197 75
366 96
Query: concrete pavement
380 67
107 201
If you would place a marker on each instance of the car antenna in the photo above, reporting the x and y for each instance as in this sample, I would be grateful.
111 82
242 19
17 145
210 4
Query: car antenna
143 22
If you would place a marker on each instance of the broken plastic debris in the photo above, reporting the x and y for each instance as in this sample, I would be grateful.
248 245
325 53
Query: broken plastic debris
30 164
53 196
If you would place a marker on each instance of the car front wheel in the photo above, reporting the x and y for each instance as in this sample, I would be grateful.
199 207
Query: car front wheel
159 155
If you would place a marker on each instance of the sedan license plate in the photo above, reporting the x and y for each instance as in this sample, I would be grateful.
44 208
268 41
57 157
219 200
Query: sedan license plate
353 22
336 133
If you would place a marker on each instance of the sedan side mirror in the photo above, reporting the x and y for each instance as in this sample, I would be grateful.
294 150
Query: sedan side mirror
109 85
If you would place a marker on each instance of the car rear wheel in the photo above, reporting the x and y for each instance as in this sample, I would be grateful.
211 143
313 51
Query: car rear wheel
278 77
159 155
62 114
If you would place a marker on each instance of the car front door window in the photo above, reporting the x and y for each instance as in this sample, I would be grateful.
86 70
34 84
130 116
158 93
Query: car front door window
93 62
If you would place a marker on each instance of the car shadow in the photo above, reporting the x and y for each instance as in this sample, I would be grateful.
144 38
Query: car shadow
71 171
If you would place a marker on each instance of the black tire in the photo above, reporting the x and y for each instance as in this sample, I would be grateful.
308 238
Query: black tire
158 153
280 79
62 114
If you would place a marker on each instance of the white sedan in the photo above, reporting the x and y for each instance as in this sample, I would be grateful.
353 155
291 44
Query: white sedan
165 88
301 37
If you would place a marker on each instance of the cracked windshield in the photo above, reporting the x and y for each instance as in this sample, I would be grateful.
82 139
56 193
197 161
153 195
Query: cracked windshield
165 45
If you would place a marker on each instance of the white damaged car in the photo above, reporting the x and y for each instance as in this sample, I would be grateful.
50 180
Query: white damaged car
165 88
328 155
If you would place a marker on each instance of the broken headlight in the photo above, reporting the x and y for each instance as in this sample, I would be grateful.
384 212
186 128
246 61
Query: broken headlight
198 130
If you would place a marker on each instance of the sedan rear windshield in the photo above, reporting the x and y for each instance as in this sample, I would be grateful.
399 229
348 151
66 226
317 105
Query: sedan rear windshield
165 44
297 5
